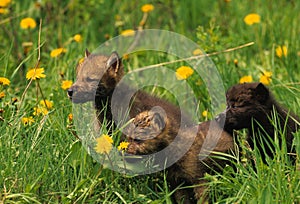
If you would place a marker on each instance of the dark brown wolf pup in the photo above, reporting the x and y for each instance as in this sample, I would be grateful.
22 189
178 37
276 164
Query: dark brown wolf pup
151 132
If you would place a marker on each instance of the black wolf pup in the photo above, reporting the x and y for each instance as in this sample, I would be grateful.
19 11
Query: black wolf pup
252 106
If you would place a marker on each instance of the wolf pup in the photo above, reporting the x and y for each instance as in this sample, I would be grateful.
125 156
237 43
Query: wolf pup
151 131
252 106
97 78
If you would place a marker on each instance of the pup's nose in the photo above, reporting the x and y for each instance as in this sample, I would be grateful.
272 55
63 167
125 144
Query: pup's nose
70 92
221 118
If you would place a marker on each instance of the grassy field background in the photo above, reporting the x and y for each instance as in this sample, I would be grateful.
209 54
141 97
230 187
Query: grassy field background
41 159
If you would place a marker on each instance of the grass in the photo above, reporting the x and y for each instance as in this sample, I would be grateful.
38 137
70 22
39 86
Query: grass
45 163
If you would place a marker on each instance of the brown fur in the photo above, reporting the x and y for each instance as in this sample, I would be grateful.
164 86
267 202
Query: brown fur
251 106
97 78
151 131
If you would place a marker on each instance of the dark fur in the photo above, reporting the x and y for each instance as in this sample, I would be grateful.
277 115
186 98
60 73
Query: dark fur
97 78
151 131
252 106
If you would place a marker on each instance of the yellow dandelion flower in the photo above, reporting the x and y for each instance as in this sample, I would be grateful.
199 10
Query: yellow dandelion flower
47 104
197 52
123 146
252 18
267 74
35 74
70 117
4 3
104 144
4 81
2 94
128 32
27 23
246 79
27 121
77 38
4 11
40 110
81 60
66 84
184 72
265 78
125 57
205 113
57 52
147 8
281 51
235 61
119 23
14 100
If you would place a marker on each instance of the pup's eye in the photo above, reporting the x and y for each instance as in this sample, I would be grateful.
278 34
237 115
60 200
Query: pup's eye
89 79
139 124
230 106
137 140
237 105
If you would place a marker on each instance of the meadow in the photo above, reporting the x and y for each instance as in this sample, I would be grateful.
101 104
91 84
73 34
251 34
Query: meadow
42 158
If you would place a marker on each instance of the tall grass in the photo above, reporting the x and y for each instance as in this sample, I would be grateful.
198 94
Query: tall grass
44 162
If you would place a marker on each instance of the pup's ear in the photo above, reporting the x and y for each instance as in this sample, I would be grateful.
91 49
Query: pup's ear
231 91
159 120
262 92
86 53
114 62
158 117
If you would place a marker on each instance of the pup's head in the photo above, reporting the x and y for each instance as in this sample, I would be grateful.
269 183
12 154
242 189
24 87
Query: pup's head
147 133
245 102
97 76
